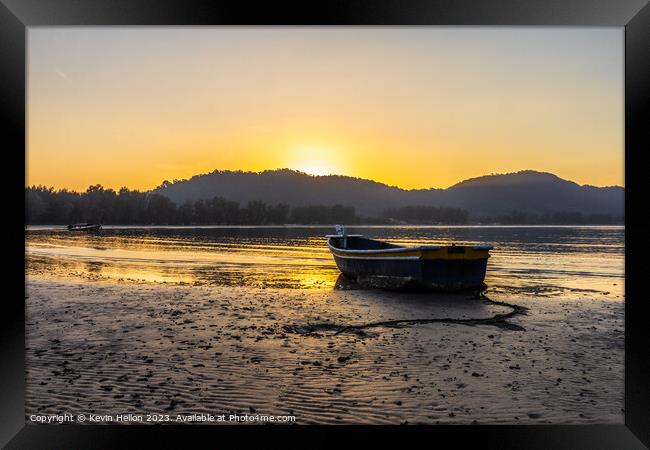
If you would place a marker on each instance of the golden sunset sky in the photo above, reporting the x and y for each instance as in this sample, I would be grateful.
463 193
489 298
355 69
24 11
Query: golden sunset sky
408 106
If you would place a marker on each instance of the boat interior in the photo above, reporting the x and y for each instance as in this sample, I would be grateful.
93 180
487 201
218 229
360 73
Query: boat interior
360 243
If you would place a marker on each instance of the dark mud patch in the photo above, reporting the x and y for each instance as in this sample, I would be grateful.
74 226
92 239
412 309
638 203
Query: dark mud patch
498 320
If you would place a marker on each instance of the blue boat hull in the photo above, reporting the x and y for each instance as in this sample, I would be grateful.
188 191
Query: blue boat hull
440 274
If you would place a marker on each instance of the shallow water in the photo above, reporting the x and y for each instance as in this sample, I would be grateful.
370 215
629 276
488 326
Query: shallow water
569 262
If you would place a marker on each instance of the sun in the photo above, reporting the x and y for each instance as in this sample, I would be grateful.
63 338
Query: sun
315 169
314 160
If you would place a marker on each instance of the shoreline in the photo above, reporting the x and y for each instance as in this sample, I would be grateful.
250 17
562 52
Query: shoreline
181 227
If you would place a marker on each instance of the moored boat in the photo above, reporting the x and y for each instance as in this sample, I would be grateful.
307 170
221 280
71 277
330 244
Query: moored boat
448 268
84 227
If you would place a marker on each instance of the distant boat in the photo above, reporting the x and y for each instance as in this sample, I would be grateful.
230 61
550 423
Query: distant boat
84 227
447 268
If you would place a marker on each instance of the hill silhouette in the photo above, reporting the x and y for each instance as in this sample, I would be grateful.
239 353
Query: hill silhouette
496 195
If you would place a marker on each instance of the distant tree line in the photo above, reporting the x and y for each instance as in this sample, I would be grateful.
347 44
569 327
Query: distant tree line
427 215
99 205
131 207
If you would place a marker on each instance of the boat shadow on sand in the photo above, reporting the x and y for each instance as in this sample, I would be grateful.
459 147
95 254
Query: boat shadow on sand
383 290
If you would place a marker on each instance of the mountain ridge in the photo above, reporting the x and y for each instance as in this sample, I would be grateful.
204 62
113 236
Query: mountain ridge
487 195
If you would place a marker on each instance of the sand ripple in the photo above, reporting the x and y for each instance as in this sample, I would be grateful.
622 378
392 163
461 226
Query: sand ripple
99 347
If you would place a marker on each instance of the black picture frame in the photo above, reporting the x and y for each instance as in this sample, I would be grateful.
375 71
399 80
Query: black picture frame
634 15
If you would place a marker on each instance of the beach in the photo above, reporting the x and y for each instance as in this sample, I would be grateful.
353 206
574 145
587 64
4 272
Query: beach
149 348
101 344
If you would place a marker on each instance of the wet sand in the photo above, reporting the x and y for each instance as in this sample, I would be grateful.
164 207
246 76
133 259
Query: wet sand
111 347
